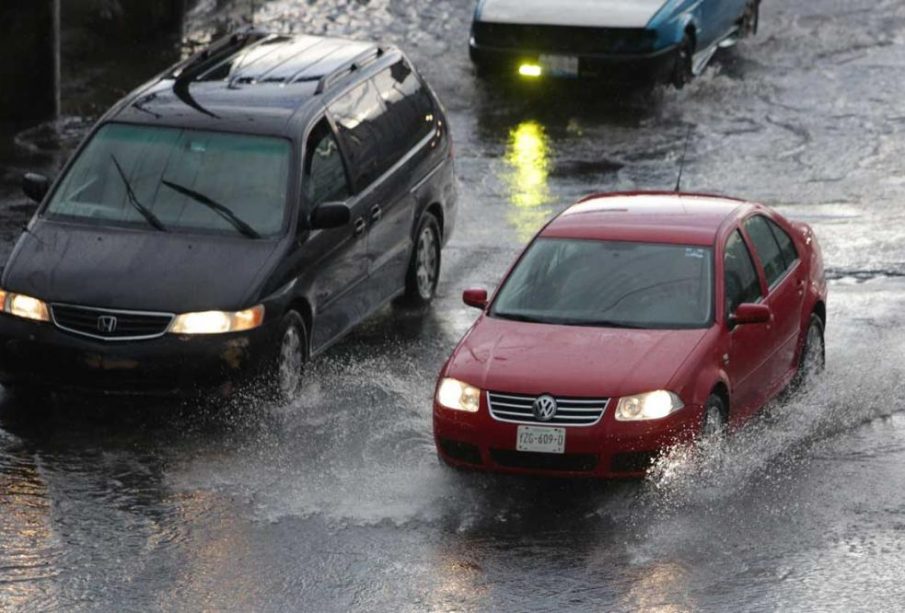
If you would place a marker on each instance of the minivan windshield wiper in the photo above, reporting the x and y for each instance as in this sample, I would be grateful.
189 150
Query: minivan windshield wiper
150 217
216 207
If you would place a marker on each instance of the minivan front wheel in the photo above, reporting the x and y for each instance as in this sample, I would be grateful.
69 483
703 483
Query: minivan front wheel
424 269
292 353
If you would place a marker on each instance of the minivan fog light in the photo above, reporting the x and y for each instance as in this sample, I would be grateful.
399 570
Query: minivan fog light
532 71
24 306
643 407
218 322
458 396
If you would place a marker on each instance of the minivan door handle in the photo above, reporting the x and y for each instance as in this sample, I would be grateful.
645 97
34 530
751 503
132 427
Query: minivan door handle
376 213
360 225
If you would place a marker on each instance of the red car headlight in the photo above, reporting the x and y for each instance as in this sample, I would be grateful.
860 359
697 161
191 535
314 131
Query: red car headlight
457 396
643 407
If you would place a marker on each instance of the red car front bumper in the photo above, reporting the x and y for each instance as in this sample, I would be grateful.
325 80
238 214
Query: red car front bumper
608 450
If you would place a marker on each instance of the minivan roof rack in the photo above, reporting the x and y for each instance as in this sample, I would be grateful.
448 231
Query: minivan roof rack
216 51
364 59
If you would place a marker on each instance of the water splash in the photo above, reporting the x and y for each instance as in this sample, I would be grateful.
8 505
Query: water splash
713 471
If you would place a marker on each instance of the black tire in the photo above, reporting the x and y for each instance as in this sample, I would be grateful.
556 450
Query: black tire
683 72
716 417
482 65
751 19
813 353
424 266
286 376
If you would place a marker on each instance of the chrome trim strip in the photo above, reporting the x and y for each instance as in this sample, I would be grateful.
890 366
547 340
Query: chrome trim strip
117 339
559 420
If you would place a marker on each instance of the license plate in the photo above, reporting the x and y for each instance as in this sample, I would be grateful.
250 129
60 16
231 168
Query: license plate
560 65
541 440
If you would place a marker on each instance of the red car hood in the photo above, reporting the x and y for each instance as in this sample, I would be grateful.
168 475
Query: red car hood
517 357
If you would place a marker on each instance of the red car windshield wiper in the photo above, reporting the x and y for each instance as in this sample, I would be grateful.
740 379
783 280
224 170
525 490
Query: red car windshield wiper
519 317
603 323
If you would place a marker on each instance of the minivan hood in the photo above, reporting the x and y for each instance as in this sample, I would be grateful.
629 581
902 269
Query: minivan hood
534 359
588 13
136 270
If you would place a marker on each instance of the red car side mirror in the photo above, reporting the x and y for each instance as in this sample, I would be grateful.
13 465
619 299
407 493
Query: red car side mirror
751 314
476 298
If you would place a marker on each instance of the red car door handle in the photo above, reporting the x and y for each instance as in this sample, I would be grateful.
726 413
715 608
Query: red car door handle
376 213
360 225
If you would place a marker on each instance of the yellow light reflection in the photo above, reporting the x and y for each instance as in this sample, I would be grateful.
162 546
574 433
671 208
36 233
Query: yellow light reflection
660 587
528 157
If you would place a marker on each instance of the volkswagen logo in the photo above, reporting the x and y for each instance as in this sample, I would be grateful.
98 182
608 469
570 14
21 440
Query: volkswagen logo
106 324
545 408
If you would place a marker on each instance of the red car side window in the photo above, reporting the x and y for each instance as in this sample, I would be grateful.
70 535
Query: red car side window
786 245
768 250
742 284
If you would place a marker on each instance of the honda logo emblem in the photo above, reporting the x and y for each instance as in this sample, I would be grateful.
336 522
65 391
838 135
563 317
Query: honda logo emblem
106 324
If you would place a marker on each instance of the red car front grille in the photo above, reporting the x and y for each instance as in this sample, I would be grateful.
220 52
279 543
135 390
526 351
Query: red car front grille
519 409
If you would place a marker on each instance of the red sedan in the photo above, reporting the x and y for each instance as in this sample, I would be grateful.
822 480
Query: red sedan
632 322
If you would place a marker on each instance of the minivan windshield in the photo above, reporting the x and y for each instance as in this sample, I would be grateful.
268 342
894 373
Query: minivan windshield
610 284
174 179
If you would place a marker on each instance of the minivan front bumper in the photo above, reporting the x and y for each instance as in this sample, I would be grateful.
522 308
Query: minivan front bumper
40 355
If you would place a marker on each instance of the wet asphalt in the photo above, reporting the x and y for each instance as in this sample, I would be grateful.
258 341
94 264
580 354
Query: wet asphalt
336 501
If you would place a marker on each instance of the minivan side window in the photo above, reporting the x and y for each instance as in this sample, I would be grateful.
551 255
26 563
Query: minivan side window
357 114
324 177
767 248
410 108
742 284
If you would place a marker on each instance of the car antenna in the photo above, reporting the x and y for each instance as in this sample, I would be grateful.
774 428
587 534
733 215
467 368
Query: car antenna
682 161
252 18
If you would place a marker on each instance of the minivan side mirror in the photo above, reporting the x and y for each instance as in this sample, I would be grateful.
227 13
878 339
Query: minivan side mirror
35 186
476 298
331 215
751 314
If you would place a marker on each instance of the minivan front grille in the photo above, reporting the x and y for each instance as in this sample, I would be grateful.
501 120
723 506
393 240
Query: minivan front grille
110 324
519 409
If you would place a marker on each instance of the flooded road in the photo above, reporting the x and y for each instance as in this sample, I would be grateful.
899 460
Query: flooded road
336 501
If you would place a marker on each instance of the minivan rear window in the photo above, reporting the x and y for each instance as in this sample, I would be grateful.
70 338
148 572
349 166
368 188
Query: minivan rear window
176 179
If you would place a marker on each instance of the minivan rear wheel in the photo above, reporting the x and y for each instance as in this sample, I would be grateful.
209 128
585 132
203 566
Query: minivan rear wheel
424 269
292 353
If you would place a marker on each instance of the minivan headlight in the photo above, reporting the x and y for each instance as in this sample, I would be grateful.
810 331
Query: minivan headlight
218 322
643 407
26 307
458 396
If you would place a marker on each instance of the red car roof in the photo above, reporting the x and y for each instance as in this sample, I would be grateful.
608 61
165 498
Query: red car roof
657 217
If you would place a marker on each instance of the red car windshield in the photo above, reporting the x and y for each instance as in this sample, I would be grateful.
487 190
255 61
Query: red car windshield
610 284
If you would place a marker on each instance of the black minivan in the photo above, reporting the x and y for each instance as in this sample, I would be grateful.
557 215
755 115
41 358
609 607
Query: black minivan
230 219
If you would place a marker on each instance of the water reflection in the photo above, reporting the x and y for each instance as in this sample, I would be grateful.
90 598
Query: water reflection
30 547
528 157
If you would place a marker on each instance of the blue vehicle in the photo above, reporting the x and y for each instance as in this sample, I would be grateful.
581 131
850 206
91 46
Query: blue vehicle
617 40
